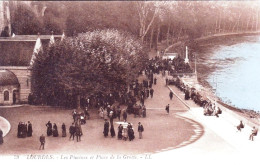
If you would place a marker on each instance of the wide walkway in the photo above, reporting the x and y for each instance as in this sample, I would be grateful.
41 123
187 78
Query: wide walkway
162 131
220 143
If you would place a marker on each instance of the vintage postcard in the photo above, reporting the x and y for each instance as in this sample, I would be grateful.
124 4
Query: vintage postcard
130 81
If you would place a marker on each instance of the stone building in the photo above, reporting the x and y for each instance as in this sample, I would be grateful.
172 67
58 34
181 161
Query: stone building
5 21
16 54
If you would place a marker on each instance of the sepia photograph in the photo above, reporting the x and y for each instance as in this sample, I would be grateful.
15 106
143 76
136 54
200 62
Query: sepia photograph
130 81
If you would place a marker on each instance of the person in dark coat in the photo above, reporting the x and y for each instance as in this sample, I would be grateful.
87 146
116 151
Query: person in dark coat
140 130
241 125
19 130
151 92
25 130
106 128
78 132
63 127
55 130
155 80
49 128
147 93
42 141
144 111
22 130
112 131
187 95
1 137
171 95
167 108
72 131
124 116
120 132
29 132
131 133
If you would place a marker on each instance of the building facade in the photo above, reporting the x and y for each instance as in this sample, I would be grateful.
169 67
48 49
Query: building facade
15 65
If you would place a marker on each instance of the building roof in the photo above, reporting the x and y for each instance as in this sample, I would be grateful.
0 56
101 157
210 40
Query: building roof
18 50
8 78
28 37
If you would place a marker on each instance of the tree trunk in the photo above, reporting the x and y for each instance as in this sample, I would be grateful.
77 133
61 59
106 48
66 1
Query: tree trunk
157 37
179 34
236 24
252 25
219 23
256 22
230 27
78 101
151 38
167 36
247 25
143 9
216 26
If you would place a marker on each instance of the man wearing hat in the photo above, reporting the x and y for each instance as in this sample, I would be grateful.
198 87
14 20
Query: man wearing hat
140 130
42 140
167 108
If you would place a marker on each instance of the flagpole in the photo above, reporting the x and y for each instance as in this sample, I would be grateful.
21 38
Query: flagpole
196 66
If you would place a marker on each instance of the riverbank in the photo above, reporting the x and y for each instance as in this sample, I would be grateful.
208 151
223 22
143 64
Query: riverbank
207 65
204 47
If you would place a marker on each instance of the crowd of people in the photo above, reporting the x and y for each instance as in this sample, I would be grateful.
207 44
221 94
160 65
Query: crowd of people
24 130
109 106
52 130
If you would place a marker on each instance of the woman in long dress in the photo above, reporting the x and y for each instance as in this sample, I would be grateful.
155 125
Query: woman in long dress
112 131
131 134
55 130
1 137
49 128
63 127
120 132
29 131
106 128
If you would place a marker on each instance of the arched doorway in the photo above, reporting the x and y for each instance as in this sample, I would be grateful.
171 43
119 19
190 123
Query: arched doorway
15 96
6 96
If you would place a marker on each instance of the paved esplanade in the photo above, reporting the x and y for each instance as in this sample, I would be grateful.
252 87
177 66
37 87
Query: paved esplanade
220 143
162 131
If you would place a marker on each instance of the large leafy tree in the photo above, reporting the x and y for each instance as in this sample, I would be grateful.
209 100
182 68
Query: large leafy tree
102 61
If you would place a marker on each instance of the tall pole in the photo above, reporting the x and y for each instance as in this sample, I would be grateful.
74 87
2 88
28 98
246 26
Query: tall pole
187 57
196 66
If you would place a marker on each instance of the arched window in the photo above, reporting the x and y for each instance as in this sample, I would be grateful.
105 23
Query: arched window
6 96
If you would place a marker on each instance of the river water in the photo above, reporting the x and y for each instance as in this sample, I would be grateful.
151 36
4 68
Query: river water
233 70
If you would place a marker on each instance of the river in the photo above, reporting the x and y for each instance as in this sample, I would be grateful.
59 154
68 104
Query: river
232 68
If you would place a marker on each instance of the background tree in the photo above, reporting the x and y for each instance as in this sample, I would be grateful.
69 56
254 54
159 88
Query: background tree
98 62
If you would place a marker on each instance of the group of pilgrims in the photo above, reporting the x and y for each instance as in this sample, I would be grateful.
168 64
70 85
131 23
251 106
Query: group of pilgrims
210 108
108 105
177 65
125 130
52 130
24 130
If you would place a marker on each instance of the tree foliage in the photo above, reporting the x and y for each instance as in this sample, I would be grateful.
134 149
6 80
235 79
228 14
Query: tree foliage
151 21
102 61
